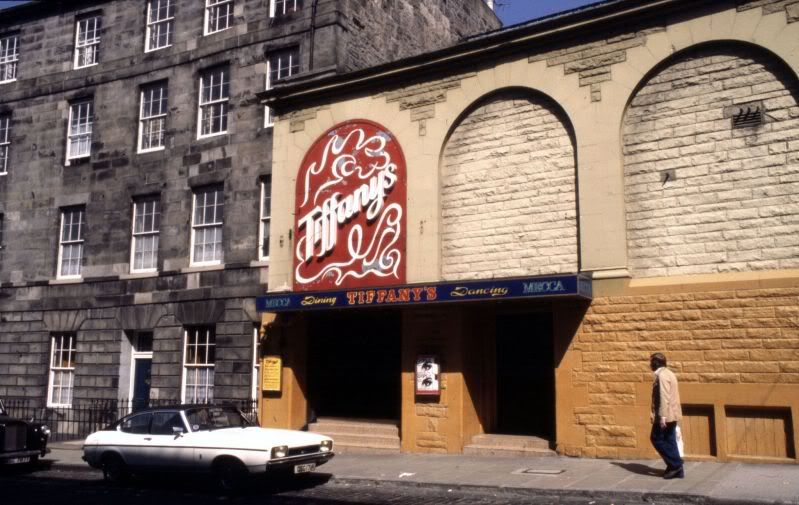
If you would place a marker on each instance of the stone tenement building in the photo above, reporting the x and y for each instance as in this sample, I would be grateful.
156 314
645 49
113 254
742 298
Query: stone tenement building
545 206
135 180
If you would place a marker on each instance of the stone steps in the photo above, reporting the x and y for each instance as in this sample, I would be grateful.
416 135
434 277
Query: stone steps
359 435
508 445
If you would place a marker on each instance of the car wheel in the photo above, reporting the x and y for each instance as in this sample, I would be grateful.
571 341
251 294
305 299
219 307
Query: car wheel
114 469
230 475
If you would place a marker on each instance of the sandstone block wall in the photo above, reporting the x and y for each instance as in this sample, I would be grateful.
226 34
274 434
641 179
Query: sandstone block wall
394 29
508 195
721 337
702 196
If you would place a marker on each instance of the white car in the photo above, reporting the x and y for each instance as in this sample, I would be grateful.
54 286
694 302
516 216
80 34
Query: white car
202 438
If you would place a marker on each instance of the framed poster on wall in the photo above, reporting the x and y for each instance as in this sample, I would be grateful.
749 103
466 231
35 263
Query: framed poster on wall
428 375
272 373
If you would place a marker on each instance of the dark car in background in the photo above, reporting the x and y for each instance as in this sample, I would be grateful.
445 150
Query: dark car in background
20 441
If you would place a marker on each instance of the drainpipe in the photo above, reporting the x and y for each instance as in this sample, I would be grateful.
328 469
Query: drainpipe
313 31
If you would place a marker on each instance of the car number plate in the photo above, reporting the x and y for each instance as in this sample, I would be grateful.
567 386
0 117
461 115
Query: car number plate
304 468
13 461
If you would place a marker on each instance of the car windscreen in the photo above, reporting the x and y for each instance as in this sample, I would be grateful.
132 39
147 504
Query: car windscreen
211 418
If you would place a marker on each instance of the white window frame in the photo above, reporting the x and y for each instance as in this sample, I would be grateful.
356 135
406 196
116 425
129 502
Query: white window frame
147 117
158 24
212 10
208 106
87 45
265 214
218 222
286 7
256 364
209 341
71 241
81 129
5 142
292 59
9 58
57 344
145 234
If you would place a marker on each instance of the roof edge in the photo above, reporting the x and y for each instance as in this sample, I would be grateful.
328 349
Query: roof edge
304 88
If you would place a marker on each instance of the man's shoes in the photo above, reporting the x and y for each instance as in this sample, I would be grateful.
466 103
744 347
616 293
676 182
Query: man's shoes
674 473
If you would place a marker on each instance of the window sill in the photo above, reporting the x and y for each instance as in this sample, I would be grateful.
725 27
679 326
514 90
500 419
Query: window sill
8 81
205 33
211 135
202 268
86 66
66 280
77 159
260 263
139 275
153 150
146 51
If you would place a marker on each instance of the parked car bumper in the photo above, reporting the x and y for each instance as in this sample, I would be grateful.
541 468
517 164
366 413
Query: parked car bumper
287 464
21 457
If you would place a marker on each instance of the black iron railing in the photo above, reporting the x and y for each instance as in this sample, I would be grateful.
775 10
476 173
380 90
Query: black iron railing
85 417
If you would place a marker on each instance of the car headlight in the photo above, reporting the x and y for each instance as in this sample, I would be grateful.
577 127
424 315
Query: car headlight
326 446
45 430
280 451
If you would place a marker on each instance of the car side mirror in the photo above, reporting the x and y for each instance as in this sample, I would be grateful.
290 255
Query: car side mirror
177 431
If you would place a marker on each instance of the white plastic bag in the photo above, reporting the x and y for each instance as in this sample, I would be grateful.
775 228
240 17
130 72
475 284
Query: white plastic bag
678 436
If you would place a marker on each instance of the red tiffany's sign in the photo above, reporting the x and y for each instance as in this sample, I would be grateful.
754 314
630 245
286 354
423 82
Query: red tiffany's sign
350 210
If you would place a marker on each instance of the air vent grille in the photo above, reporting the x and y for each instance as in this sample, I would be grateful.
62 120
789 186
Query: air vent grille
746 115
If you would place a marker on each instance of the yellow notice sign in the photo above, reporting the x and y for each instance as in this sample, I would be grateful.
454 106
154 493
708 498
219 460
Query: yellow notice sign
271 373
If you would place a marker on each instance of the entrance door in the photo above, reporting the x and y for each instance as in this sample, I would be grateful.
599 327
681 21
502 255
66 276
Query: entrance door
141 369
142 372
525 375
354 365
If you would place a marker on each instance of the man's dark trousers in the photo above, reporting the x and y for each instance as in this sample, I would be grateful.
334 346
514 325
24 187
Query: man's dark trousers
665 442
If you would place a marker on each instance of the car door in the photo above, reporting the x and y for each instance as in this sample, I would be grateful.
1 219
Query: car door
133 439
174 450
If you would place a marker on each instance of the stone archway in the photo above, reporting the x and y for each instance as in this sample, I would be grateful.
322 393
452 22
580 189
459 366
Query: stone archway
508 190
709 175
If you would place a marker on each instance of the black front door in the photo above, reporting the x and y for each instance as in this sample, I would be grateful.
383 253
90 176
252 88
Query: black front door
142 372
525 375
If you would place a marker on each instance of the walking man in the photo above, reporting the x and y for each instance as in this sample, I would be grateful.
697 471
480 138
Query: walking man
666 411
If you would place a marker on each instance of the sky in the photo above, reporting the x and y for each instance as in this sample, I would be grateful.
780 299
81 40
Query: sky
510 12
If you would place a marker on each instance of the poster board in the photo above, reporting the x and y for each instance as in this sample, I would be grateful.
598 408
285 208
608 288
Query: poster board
428 375
272 374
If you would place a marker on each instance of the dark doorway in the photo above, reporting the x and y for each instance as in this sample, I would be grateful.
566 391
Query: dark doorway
142 372
354 365
525 375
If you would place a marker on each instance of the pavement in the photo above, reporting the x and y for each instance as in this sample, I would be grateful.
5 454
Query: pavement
600 479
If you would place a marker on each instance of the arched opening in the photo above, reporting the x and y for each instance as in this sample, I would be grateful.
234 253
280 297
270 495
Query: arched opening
710 172
509 209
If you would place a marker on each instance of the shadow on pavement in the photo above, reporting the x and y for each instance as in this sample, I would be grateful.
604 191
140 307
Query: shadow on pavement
199 485
202 484
640 469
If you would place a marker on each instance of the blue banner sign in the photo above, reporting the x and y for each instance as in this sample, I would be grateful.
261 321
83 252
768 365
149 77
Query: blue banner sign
574 286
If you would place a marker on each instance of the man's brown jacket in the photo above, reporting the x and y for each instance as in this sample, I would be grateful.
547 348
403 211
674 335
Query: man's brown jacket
666 396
